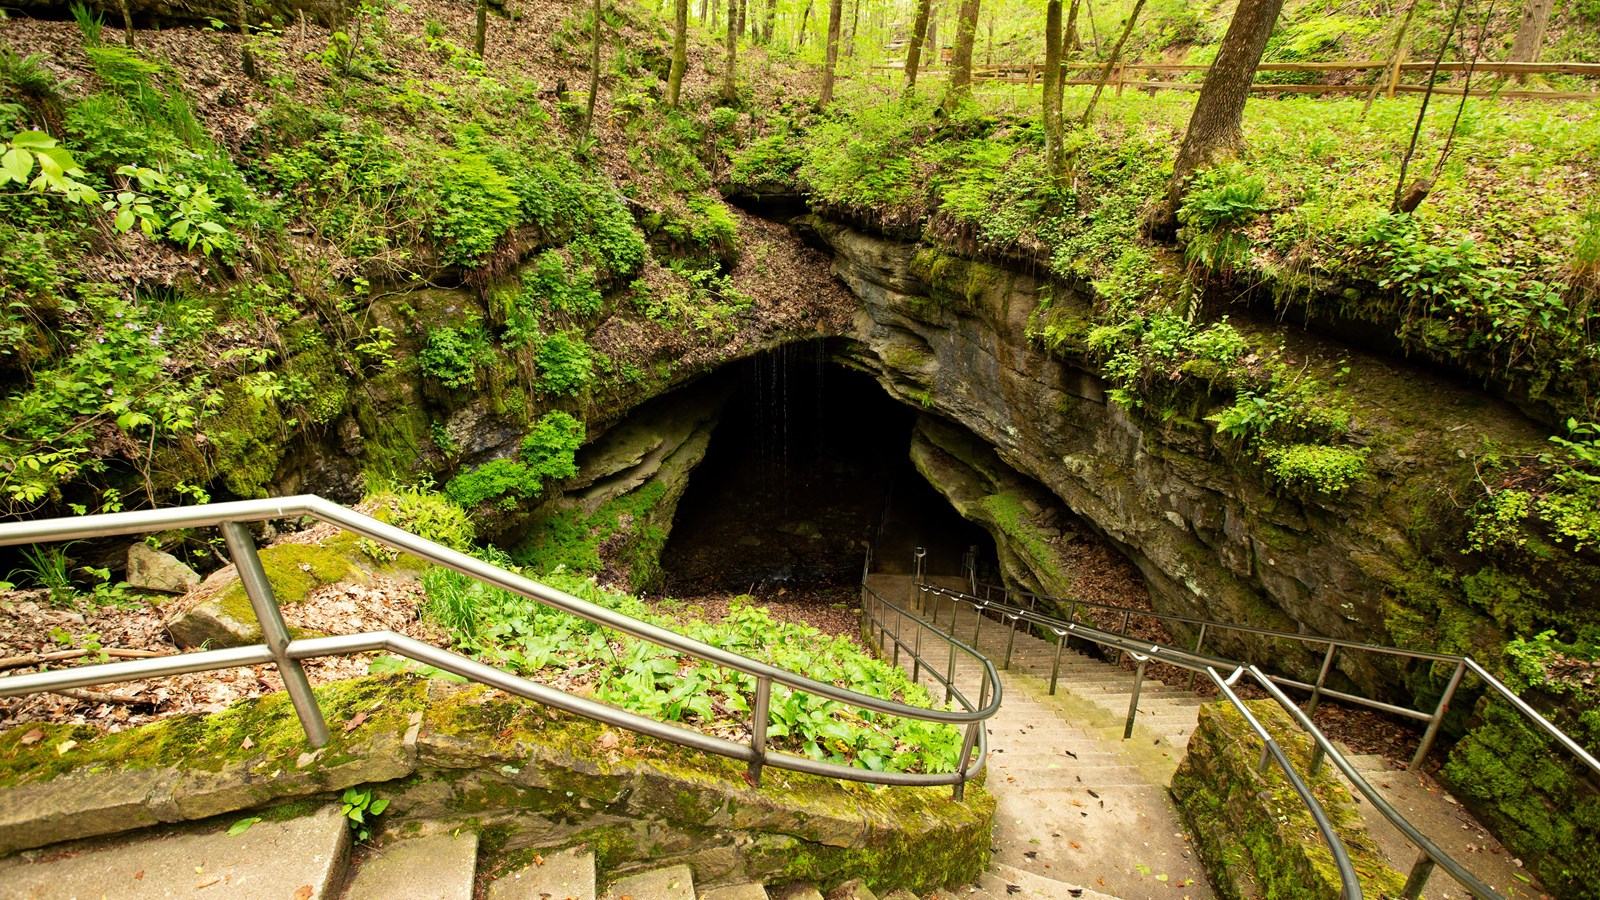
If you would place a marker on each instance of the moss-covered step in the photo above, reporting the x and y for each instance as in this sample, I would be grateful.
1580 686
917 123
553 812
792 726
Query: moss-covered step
1255 836
521 775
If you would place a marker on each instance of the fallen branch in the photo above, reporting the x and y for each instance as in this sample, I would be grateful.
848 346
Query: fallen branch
96 697
34 659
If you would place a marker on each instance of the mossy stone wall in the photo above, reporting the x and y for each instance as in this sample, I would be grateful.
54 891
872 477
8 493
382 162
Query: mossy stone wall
1255 836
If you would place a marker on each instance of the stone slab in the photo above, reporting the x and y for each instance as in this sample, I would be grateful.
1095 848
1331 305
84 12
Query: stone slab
563 875
434 867
750 890
270 861
670 883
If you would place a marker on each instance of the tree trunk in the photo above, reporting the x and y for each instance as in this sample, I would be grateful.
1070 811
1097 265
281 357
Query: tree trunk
1116 53
740 6
1215 125
127 23
730 90
247 56
594 67
1052 84
919 30
680 50
1069 44
850 36
1094 33
931 51
704 10
771 23
961 59
805 24
835 19
481 29
1530 31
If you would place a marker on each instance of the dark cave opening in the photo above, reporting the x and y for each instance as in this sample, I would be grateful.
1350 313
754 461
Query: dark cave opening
809 466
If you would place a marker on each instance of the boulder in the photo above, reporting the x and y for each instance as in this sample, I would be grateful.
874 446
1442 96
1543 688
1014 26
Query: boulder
150 569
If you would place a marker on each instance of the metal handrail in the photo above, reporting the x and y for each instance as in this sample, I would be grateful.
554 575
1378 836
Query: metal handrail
1318 689
1144 651
287 654
989 688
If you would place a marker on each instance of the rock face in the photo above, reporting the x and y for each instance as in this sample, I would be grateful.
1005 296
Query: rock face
153 570
951 336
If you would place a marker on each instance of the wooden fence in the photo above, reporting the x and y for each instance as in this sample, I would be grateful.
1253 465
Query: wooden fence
1033 73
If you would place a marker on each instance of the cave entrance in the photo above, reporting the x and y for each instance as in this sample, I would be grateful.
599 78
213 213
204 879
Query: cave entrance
808 466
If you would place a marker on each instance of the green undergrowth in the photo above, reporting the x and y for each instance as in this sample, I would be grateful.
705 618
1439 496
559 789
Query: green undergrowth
570 537
506 630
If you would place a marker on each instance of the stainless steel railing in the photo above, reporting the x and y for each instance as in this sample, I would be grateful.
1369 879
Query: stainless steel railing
287 654
1143 652
1464 665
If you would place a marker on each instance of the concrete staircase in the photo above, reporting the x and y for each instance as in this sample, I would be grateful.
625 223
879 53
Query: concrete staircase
311 858
1081 812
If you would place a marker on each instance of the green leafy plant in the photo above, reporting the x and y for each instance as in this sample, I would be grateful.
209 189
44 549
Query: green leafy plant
454 355
58 171
361 808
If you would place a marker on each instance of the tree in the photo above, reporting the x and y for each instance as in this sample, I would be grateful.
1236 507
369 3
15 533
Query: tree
930 44
919 30
961 59
1116 54
835 17
481 28
805 24
247 56
1216 124
730 90
594 65
771 22
680 50
1530 30
1052 83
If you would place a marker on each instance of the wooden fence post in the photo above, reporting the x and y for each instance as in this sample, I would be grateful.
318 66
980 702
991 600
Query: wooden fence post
1394 77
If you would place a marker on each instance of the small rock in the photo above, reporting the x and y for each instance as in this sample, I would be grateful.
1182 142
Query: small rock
150 569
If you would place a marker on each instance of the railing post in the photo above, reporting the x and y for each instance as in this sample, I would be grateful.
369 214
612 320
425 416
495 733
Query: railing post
1055 668
916 572
1133 702
1199 640
977 627
968 741
899 622
758 727
916 656
1418 879
950 676
273 632
1322 677
1438 717
1011 641
1126 616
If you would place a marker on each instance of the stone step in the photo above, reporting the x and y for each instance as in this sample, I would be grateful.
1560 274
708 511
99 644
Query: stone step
305 856
749 890
670 883
559 875
432 867
1001 878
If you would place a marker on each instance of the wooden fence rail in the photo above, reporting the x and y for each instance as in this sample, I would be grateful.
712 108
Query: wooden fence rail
1033 73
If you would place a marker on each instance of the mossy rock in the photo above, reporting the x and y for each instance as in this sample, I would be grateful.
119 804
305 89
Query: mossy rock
294 570
1255 835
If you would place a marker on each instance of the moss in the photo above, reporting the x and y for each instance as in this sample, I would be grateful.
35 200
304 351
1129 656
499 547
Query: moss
394 428
1533 796
250 437
213 742
313 374
295 570
1254 834
625 528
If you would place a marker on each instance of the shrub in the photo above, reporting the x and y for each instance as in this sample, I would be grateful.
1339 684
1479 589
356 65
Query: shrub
476 205
546 453
454 355
565 363
1315 468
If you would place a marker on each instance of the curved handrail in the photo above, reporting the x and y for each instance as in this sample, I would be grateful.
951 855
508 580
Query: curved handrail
287 653
1466 662
1146 650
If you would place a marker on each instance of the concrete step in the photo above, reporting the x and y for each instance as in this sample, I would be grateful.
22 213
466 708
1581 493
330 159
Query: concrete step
1001 878
559 875
432 867
305 857
670 883
750 890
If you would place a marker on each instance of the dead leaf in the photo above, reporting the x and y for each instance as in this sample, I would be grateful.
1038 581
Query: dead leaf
139 875
609 740
247 744
355 722
303 892
208 882
64 746
33 736
1075 845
